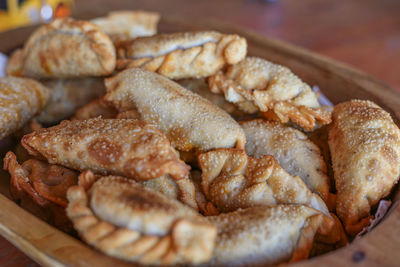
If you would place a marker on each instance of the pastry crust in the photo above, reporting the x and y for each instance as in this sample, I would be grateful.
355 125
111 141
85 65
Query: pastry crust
131 148
233 180
255 84
266 235
125 25
125 220
200 87
65 48
20 100
183 55
365 148
190 122
68 95
41 188
293 151
95 108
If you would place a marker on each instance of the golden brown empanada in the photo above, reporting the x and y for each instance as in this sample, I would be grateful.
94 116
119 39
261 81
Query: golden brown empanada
191 122
125 220
183 55
292 149
264 235
200 87
68 95
125 25
365 148
233 180
96 108
65 48
255 84
131 148
41 189
20 100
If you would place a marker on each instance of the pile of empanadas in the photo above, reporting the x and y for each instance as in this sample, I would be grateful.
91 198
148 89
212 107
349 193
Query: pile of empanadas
178 149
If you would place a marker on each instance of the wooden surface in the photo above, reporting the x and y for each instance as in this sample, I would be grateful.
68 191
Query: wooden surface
362 32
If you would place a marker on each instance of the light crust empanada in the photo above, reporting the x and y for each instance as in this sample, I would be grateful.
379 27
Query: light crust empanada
125 220
261 236
68 95
191 122
41 188
233 180
200 87
292 149
20 100
255 84
65 48
131 148
125 25
365 148
183 55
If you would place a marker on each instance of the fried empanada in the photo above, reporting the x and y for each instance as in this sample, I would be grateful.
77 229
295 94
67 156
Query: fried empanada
96 108
68 95
131 148
126 25
365 148
20 100
183 55
262 236
255 84
64 48
191 122
292 149
41 189
232 180
125 220
200 87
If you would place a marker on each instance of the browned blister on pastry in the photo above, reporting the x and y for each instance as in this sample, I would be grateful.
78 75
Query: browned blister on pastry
125 220
131 148
65 48
365 148
293 151
183 55
68 95
20 100
255 84
266 235
191 122
126 25
41 188
233 180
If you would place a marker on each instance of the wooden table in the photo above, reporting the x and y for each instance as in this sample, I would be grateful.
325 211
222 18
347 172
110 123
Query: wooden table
362 33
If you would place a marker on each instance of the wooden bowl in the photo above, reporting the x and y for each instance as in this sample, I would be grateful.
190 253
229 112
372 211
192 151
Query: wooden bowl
339 82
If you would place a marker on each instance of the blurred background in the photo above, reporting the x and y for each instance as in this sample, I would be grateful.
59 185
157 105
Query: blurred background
361 33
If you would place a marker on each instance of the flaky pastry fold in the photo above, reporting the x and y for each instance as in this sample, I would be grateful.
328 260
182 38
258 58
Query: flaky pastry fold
131 148
255 84
365 148
123 219
126 25
64 48
20 100
183 55
190 122
41 188
266 235
292 149
233 180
